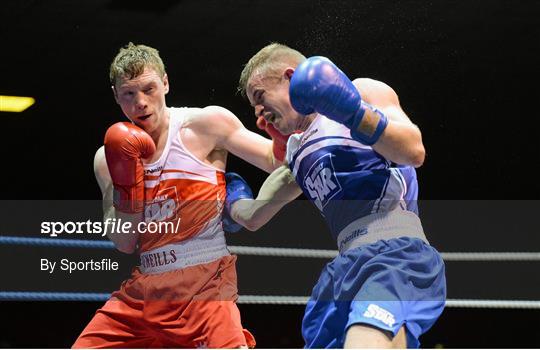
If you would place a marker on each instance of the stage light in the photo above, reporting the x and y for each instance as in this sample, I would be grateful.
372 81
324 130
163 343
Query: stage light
15 103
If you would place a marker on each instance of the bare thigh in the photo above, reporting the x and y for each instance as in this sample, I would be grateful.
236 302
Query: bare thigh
364 336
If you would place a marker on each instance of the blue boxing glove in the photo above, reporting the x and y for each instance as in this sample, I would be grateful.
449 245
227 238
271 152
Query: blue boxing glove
237 188
317 85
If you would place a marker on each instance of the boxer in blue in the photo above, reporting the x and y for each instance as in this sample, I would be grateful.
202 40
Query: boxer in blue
355 159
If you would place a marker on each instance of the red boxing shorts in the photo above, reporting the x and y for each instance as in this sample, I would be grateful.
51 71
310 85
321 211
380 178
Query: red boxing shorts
192 307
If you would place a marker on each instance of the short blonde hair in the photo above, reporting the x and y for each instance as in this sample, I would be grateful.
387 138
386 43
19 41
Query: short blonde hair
269 58
131 61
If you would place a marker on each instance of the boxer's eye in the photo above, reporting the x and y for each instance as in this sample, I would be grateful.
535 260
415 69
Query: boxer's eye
259 96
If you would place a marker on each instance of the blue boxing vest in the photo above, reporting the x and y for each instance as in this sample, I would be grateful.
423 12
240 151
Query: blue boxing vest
346 179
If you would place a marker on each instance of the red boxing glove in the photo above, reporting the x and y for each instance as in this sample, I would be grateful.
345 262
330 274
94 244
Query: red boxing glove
125 145
279 146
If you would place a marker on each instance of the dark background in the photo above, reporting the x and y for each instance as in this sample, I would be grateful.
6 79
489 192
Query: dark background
466 73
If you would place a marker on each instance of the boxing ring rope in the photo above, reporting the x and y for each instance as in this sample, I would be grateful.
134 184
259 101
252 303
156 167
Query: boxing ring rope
50 242
261 299
270 251
330 254
466 303
264 251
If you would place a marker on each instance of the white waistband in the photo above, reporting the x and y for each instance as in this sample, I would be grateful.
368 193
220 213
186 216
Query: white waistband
374 227
194 251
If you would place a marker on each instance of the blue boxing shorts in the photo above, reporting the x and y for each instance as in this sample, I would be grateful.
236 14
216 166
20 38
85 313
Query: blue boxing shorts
386 284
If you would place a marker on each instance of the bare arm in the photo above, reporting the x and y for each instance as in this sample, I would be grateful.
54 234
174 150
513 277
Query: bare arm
229 133
401 141
279 189
124 242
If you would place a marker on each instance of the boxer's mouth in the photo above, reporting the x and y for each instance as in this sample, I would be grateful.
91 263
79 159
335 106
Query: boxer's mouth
144 117
270 117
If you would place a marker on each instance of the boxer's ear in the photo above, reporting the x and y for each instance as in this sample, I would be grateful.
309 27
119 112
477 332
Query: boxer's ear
115 94
166 83
288 73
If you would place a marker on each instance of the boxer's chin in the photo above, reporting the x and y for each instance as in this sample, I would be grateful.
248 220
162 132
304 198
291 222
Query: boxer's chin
279 126
279 123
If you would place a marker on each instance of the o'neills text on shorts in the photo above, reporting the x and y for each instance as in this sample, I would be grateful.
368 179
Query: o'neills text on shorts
70 266
160 258
194 251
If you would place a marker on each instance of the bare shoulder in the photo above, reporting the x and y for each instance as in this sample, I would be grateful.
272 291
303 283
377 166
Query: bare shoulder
100 162
376 92
218 110
211 117
101 170
221 116
212 126
368 84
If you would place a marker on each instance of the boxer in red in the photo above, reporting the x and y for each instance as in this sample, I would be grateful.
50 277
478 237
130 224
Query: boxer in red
167 166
